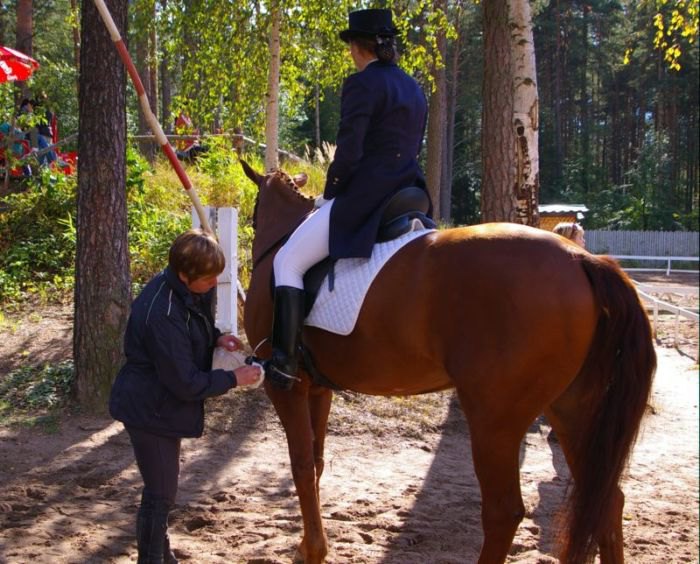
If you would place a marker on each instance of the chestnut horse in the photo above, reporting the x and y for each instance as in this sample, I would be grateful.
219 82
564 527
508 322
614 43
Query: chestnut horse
519 321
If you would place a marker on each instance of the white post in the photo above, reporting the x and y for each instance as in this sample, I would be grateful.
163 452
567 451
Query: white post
224 222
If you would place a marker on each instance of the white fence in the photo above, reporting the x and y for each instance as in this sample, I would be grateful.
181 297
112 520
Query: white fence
652 264
224 222
647 293
646 243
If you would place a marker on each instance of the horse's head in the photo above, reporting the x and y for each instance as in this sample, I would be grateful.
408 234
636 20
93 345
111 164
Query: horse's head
279 207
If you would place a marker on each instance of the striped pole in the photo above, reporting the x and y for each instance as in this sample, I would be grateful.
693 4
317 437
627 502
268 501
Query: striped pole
150 118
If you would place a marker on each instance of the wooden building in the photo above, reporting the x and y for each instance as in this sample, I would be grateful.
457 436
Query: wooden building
551 214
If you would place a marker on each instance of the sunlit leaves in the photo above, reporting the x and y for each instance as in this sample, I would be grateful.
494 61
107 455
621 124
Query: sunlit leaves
675 28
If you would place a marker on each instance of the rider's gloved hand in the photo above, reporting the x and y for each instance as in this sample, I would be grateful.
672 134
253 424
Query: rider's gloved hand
320 201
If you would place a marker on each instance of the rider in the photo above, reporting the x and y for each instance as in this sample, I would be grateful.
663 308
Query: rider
383 115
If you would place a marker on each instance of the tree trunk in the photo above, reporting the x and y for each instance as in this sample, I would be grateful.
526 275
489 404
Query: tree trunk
76 36
272 96
525 114
557 91
317 116
145 63
23 35
153 67
165 87
437 115
498 201
102 281
165 95
146 148
452 93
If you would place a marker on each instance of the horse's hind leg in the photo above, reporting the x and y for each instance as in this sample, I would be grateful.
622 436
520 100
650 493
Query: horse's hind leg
567 419
495 450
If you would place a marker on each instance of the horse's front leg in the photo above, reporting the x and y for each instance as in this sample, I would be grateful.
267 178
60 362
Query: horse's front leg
320 399
294 410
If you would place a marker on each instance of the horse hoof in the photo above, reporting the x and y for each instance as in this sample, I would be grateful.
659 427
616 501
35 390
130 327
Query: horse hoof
300 557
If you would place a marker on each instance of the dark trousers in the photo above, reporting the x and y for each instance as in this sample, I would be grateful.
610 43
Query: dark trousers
158 459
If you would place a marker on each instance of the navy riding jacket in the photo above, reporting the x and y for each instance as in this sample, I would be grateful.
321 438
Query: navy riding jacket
169 341
383 114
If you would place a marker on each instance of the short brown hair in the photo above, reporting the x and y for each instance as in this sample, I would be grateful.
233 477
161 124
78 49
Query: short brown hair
196 254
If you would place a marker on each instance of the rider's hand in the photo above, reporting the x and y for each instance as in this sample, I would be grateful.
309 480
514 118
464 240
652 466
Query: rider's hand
320 201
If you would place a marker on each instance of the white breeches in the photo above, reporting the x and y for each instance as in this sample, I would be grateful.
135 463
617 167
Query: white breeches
304 248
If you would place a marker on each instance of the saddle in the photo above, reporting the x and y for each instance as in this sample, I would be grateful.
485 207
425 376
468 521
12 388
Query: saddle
405 211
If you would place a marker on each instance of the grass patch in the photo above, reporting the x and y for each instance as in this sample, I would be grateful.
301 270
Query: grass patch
35 396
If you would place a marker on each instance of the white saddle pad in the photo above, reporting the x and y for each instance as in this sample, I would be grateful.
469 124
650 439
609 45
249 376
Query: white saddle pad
337 311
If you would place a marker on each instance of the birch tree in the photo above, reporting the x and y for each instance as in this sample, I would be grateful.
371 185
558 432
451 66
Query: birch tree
510 158
272 94
525 113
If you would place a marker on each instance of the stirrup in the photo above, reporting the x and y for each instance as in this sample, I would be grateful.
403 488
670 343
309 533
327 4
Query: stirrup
277 377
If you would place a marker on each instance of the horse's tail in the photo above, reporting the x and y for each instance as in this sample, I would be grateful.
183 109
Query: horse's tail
620 370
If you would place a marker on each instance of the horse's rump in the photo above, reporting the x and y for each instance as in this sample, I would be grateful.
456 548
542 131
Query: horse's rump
459 301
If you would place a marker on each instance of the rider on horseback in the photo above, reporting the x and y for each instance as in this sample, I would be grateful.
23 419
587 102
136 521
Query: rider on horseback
382 121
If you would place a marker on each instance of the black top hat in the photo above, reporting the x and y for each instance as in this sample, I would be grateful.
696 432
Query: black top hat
368 22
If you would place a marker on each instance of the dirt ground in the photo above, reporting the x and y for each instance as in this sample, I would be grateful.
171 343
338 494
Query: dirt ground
399 485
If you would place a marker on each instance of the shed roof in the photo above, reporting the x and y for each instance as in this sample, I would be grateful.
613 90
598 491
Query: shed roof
546 209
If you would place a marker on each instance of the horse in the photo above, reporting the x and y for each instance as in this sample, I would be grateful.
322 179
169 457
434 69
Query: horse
518 321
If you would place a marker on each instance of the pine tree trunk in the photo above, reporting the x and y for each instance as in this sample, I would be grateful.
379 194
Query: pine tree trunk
452 92
437 115
525 114
436 140
102 281
140 58
165 87
497 139
23 35
272 103
76 35
165 96
317 116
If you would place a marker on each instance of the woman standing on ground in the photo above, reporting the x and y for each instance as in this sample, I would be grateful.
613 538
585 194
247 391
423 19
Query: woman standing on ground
159 392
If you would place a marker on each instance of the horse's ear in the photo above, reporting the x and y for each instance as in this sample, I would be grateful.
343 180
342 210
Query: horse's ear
250 173
300 179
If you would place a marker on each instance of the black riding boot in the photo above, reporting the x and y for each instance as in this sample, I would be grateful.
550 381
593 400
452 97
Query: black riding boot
287 320
152 531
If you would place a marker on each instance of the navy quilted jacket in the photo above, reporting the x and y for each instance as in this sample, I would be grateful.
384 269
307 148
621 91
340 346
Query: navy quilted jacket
168 344
383 115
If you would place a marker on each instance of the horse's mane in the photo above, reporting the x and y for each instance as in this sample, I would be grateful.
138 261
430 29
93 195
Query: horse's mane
288 181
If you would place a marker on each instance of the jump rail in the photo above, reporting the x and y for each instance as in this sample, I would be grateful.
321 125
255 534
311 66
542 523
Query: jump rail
656 304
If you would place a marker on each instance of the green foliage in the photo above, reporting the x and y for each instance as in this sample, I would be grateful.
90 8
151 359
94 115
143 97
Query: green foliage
37 238
38 233
32 388
156 215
